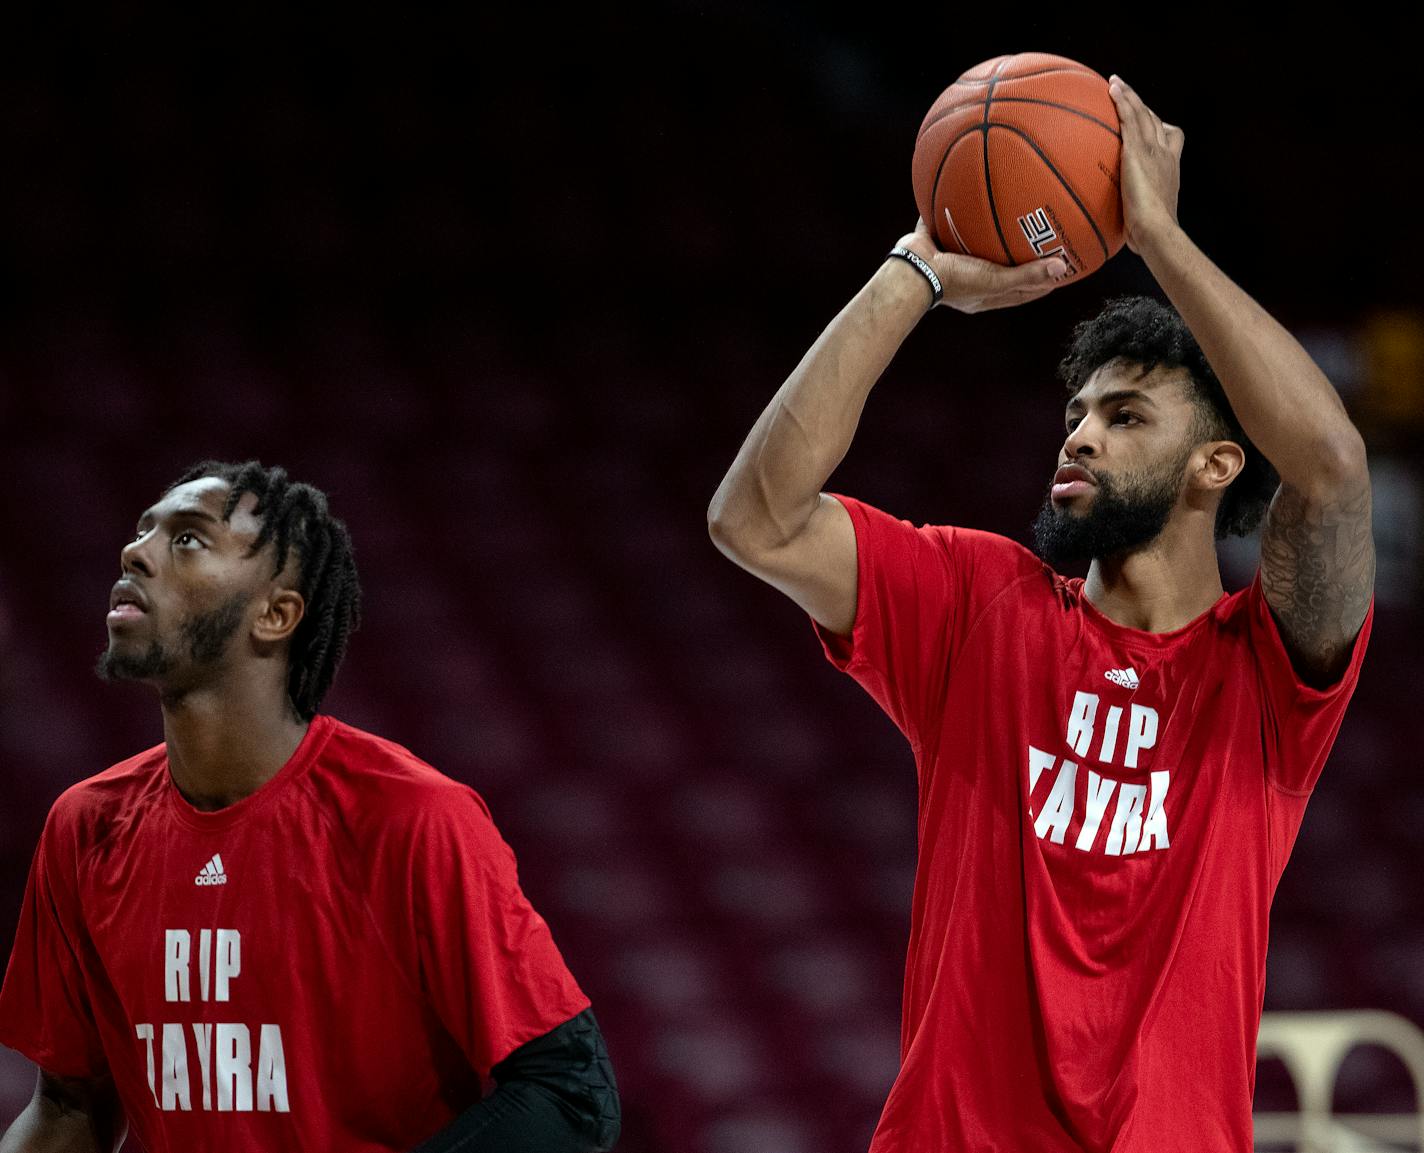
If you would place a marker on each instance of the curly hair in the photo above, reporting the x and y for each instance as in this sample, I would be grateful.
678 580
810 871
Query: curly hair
1150 333
296 517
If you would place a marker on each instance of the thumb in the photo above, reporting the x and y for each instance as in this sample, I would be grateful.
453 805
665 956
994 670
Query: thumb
975 277
1032 275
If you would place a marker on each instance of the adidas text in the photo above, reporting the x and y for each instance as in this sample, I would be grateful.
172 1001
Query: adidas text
213 873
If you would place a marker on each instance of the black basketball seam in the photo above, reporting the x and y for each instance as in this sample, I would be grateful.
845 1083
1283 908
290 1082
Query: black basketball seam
992 80
1068 188
1020 100
988 182
943 160
984 129
1027 75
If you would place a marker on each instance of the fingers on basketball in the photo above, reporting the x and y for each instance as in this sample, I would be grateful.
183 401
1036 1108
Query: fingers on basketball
1040 275
1011 286
1141 118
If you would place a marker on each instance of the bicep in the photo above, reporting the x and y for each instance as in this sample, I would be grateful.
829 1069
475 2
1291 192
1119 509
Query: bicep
1317 572
816 568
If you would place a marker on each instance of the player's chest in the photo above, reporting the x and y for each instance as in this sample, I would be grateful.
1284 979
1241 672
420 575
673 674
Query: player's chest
1109 751
246 917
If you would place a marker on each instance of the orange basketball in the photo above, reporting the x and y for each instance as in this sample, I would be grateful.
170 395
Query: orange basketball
1019 159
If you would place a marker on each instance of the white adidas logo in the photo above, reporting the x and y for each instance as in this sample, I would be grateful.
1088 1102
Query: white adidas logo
1127 677
212 873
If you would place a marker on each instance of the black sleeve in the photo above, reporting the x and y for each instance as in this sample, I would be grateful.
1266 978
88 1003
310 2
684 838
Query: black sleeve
554 1094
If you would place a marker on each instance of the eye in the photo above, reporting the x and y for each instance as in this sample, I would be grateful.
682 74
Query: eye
192 540
1073 422
1123 416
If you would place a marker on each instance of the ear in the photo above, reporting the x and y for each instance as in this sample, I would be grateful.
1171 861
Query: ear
1218 463
280 616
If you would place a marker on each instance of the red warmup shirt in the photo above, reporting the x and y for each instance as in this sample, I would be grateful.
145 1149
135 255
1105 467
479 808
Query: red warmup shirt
1104 814
332 963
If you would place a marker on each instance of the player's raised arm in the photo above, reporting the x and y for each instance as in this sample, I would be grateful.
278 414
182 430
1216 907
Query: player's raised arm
1317 551
769 513
68 1116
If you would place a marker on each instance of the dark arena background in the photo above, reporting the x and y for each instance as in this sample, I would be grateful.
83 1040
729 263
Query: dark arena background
513 292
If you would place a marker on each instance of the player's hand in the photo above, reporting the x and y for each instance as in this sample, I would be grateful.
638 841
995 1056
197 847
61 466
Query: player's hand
1151 166
974 285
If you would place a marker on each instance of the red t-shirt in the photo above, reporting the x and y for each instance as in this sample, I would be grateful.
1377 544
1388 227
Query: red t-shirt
1104 814
332 963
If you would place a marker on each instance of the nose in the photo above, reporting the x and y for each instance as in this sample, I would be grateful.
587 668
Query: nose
133 557
1082 441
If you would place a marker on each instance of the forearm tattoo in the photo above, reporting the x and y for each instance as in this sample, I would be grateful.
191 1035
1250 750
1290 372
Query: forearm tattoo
1318 573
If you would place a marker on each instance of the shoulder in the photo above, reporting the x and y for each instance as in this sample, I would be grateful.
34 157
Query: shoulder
374 786
1241 632
1245 615
88 811
975 552
1233 612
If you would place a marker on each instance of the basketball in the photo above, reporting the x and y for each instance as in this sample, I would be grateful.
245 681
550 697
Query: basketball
1019 159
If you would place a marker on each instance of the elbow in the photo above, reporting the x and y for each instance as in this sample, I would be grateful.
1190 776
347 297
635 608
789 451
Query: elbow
730 544
1335 463
716 526
748 527
722 528
1349 455
739 541
718 529
1342 462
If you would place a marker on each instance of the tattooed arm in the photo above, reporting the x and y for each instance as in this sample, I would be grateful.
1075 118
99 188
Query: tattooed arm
1317 553
1318 572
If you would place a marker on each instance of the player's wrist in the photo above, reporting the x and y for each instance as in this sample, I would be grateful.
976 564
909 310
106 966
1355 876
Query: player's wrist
912 277
1153 233
921 265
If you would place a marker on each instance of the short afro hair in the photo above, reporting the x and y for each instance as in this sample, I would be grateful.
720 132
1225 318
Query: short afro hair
295 517
1150 333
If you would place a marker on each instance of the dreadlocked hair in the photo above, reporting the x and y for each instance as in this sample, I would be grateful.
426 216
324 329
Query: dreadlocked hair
295 516
1148 332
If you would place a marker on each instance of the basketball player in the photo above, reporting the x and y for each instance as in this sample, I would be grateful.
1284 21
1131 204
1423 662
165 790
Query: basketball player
275 931
1111 771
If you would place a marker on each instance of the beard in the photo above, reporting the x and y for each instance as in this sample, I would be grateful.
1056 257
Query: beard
202 640
1124 515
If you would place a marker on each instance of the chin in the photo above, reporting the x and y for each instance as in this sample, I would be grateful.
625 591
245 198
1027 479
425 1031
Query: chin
121 662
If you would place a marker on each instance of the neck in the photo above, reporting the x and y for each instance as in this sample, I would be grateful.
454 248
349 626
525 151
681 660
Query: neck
227 740
1162 587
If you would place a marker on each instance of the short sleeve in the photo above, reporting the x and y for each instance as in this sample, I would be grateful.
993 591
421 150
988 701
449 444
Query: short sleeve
44 1004
1301 722
488 962
917 594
